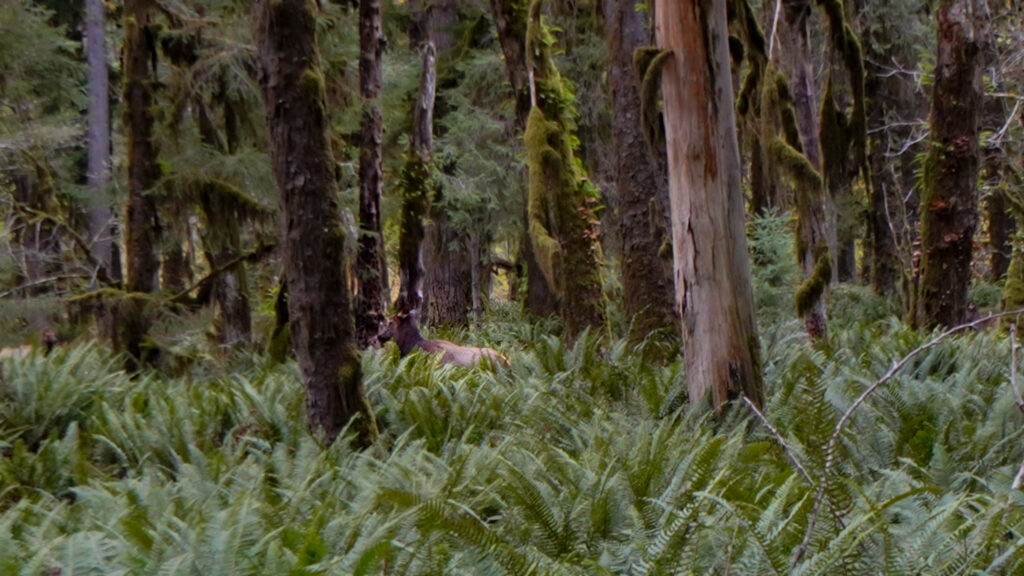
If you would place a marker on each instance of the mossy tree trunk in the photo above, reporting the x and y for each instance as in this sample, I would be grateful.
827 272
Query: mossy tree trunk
786 155
223 242
320 313
510 21
641 180
102 232
713 286
448 270
949 199
885 196
143 234
418 184
1000 232
563 226
371 268
839 168
791 127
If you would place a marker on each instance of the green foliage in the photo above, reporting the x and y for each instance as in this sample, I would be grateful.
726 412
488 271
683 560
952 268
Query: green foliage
572 460
774 267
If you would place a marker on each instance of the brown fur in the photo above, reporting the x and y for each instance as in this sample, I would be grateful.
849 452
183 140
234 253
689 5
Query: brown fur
402 328
49 341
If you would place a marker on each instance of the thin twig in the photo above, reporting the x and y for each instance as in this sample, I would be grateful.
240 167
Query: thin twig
775 27
778 438
830 449
1019 478
256 254
40 282
1013 367
82 243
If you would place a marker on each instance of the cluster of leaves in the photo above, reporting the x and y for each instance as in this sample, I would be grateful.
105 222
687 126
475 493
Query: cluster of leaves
573 460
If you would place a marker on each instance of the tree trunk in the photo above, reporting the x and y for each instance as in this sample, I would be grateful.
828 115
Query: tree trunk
713 286
371 268
510 22
884 195
418 186
1000 234
143 223
563 227
640 180
318 300
223 242
816 243
448 292
949 200
102 231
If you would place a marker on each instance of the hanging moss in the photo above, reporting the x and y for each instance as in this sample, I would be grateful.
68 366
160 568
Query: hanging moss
648 63
813 287
795 164
543 159
846 43
749 87
1013 290
562 225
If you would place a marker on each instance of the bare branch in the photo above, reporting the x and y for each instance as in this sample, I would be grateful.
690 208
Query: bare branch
833 442
781 441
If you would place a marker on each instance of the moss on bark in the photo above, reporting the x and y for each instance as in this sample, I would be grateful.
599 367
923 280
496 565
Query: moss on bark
562 222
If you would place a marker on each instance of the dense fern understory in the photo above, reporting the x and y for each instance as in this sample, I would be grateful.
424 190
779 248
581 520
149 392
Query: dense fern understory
573 460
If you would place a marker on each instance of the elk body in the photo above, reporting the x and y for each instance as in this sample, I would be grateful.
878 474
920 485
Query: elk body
402 328
49 341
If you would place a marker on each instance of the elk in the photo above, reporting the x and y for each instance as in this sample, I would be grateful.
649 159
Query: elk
403 329
49 341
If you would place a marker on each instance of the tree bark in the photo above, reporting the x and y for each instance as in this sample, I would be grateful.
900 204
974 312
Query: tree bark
322 328
563 227
102 228
143 223
816 242
223 241
949 201
712 267
510 22
1000 234
640 180
371 268
448 263
418 186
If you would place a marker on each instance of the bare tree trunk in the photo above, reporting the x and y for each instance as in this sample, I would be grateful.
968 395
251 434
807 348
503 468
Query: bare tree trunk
322 328
143 222
641 180
371 268
713 286
102 229
949 200
448 262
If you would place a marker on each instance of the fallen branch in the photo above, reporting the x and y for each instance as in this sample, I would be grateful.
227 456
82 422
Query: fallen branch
255 255
778 438
833 442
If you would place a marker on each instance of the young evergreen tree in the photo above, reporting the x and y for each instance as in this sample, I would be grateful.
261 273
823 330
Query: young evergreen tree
949 199
318 300
712 267
563 227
